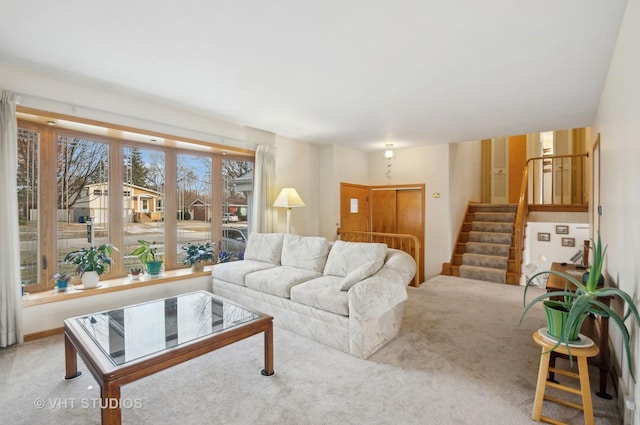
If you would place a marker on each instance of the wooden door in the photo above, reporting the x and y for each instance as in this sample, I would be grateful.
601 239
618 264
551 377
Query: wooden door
383 211
354 207
399 209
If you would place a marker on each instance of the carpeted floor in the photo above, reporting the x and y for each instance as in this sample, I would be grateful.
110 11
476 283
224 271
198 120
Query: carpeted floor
460 359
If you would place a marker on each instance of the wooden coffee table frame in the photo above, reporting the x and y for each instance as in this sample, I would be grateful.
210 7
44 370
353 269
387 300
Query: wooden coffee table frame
111 377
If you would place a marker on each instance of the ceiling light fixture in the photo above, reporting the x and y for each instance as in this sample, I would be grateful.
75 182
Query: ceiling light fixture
388 155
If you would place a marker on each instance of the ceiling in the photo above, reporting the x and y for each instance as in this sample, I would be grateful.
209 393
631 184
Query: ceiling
352 72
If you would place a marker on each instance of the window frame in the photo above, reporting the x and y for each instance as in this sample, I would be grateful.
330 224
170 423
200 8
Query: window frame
47 223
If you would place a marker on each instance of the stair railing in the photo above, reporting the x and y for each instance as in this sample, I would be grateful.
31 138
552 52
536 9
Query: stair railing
540 193
520 223
557 181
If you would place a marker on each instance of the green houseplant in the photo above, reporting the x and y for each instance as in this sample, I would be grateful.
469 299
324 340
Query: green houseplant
91 263
146 253
585 300
197 255
62 280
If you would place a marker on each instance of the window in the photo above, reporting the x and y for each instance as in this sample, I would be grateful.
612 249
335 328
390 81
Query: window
28 190
169 196
195 200
81 178
144 182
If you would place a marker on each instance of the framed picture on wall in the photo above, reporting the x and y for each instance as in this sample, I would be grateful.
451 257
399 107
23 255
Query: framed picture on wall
571 242
544 237
562 230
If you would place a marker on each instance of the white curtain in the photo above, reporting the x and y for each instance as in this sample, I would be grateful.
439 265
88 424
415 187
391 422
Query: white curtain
264 176
10 292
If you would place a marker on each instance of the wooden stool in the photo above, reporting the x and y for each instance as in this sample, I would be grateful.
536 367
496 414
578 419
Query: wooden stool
581 354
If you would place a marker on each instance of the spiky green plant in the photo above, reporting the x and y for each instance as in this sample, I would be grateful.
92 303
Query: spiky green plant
585 300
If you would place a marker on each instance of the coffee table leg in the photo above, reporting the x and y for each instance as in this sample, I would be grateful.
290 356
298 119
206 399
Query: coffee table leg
268 352
110 408
70 359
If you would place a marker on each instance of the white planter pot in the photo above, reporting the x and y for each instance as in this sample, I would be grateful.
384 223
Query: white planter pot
90 279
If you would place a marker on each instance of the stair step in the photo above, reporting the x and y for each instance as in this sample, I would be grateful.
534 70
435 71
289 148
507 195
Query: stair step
483 273
493 207
492 261
508 217
489 237
495 227
484 249
487 249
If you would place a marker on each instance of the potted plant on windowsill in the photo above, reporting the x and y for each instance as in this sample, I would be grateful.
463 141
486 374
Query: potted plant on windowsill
585 300
91 263
146 253
197 255
62 280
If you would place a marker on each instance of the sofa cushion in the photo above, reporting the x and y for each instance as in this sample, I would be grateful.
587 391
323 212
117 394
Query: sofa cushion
235 271
358 274
278 281
266 247
322 293
345 257
305 252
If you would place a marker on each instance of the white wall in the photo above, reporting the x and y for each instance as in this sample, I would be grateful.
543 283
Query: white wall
338 164
298 167
618 122
553 249
431 165
465 169
74 97
42 317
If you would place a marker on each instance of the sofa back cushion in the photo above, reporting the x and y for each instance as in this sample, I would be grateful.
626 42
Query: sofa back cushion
266 247
345 257
305 252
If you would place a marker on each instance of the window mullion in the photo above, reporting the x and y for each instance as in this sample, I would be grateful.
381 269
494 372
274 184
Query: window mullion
116 205
170 213
48 202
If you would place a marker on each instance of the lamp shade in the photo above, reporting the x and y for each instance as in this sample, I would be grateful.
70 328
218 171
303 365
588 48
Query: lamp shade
288 198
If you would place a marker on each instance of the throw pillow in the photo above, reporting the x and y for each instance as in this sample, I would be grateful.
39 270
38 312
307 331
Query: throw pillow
265 247
347 256
359 274
305 252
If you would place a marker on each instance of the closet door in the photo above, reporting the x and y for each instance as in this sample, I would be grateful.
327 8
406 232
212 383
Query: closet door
399 209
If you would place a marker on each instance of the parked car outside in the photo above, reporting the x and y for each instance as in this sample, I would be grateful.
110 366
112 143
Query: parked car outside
229 218
233 239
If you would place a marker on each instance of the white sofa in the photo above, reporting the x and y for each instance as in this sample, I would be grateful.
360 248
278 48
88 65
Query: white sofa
346 295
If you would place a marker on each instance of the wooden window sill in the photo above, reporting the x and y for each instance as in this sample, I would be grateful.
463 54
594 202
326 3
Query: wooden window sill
111 285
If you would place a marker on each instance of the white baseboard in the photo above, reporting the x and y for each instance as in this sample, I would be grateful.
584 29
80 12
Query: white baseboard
625 403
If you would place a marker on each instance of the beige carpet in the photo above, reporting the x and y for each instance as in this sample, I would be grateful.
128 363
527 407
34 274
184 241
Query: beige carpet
460 359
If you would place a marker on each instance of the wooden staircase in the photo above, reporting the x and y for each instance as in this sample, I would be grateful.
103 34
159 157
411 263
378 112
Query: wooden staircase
485 249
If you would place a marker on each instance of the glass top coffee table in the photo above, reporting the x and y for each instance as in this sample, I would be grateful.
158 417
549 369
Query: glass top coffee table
123 345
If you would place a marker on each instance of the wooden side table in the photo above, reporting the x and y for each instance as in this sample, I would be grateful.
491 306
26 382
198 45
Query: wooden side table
596 328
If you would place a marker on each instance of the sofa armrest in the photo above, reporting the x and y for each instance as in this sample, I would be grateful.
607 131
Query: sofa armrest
376 295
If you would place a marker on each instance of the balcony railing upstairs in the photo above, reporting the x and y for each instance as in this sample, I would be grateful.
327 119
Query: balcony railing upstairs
549 183
557 183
